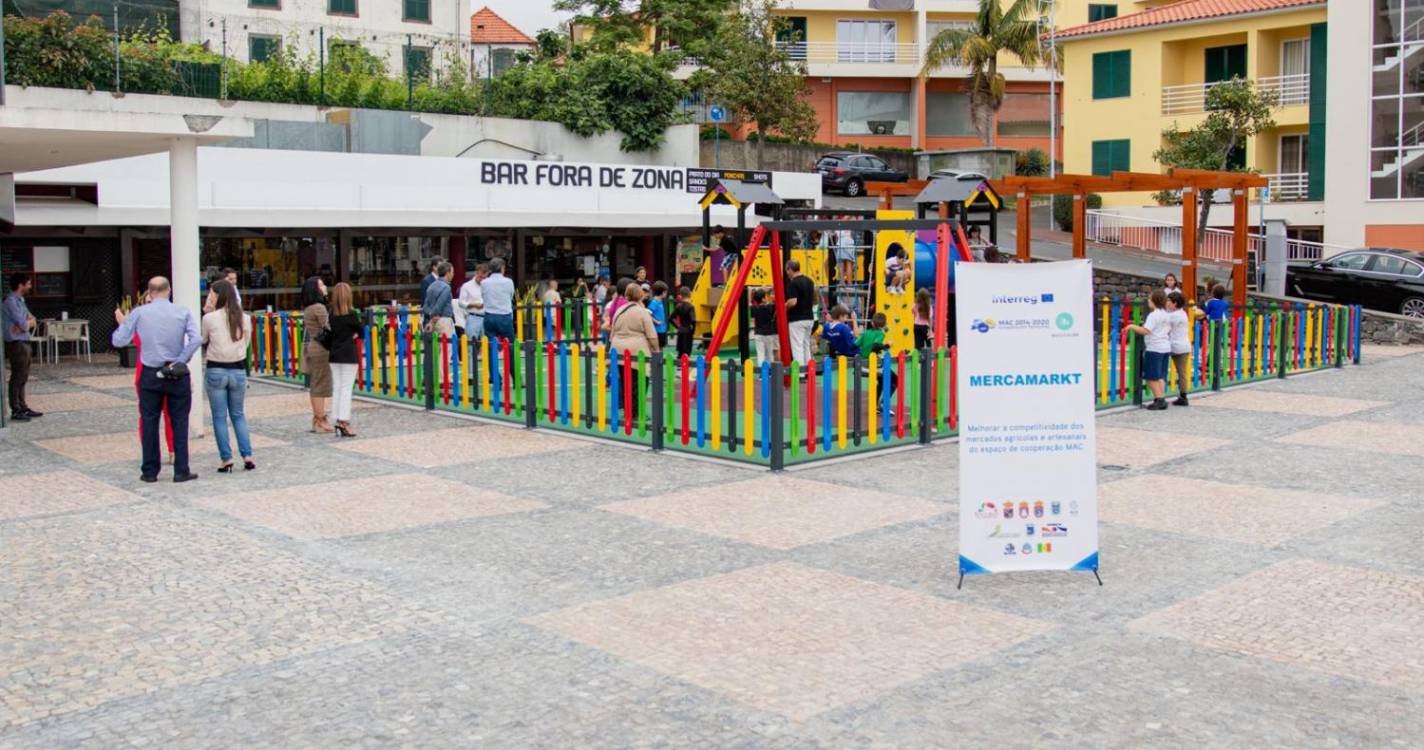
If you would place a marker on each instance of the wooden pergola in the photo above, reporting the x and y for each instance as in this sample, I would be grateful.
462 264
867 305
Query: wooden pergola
1189 181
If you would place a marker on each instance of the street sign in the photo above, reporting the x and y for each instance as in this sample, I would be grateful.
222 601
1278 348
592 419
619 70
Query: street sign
716 113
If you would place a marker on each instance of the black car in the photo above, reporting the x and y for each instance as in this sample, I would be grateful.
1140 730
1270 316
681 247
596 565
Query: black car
1380 279
847 172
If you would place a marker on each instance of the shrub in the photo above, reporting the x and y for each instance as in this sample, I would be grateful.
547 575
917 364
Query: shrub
1031 163
1063 208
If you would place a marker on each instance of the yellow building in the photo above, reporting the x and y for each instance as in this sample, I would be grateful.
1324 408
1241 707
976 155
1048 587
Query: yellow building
1129 77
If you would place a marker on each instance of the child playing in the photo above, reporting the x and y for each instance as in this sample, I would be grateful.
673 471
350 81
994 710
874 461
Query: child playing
658 307
871 343
1217 307
1181 342
1157 329
895 273
684 320
768 343
922 318
839 333
551 294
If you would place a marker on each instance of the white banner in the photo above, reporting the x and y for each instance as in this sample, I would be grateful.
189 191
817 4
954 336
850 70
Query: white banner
1027 460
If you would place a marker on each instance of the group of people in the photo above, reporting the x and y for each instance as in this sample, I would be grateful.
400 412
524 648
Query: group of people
1167 337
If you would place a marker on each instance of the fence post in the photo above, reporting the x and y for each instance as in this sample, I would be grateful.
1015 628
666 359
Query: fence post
321 65
428 361
1216 328
1341 321
1357 314
531 383
659 398
1281 334
926 393
1137 381
777 438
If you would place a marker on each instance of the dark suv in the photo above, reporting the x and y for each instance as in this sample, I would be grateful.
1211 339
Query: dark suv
847 172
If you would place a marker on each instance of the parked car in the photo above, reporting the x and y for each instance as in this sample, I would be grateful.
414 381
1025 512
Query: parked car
847 172
1377 278
957 174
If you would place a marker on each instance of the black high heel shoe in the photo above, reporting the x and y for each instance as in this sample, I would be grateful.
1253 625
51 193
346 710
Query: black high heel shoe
247 464
225 468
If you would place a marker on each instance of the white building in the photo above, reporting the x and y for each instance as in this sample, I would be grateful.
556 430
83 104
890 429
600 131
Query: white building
496 42
254 29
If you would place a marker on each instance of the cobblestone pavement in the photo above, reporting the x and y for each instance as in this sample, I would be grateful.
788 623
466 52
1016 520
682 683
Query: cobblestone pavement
441 582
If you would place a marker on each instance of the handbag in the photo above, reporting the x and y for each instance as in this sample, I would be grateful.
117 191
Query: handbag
323 337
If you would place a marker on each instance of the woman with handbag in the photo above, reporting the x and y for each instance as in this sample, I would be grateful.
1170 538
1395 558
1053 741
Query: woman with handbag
227 334
316 352
346 330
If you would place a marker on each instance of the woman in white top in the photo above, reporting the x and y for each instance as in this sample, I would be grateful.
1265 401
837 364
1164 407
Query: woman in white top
1157 329
227 332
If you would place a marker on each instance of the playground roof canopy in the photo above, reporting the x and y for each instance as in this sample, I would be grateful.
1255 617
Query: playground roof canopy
738 193
958 191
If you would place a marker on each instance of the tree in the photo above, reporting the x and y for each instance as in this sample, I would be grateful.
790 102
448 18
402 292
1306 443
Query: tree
684 24
756 79
994 30
1236 110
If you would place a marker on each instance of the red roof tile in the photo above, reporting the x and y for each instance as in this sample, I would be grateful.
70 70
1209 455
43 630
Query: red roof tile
1182 12
486 27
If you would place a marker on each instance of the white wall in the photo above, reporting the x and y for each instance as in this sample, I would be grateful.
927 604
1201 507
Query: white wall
297 21
498 138
1347 134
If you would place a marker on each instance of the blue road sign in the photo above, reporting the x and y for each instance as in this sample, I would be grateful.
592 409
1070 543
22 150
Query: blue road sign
715 113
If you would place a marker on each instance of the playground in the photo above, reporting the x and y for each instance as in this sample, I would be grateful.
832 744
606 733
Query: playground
558 374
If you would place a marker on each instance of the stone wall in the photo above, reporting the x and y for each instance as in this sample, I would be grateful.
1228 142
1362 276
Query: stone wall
1113 284
1388 328
787 157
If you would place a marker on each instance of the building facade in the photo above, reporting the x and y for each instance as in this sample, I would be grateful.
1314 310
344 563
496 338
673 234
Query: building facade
495 42
409 35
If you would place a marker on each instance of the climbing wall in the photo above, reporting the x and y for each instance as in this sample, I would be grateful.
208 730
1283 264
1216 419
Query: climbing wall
899 315
709 300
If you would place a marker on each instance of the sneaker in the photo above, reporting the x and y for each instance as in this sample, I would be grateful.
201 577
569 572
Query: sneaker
1181 401
31 413
19 416
1158 405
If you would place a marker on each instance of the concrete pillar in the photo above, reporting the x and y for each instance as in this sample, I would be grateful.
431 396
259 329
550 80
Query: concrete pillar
187 267
1275 260
919 133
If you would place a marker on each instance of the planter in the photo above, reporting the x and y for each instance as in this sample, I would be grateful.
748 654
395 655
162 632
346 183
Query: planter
128 357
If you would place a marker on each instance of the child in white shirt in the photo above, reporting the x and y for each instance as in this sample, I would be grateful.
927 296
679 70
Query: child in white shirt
1181 342
1157 329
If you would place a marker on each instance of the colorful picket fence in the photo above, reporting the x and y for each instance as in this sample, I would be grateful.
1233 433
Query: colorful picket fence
763 413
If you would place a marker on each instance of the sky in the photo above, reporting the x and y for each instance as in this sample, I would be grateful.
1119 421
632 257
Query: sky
529 15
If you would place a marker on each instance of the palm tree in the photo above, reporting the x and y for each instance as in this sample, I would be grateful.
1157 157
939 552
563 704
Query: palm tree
995 30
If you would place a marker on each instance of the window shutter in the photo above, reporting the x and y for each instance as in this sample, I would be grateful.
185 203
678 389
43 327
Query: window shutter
1112 74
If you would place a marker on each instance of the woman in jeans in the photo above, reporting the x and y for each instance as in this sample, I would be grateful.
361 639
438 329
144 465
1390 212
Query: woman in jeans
227 334
346 330
314 353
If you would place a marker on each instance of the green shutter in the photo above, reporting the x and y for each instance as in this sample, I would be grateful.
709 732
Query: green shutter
347 7
265 3
1112 74
1110 156
1315 145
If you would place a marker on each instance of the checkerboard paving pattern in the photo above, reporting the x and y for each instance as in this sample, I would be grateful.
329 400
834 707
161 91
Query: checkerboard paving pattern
77 401
114 447
1357 623
1399 439
365 506
790 639
779 512
56 492
105 382
458 445
1139 449
1301 404
285 405
1233 512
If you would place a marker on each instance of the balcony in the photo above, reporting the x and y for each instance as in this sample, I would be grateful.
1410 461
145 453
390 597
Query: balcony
1288 186
1191 97
872 53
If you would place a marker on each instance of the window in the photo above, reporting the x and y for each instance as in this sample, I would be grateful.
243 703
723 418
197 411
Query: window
341 7
1024 115
503 60
1225 63
1393 264
1350 262
1112 74
865 41
1295 57
417 63
1101 11
1397 106
873 113
934 28
261 48
948 115
264 3
417 10
791 34
1111 156
1294 151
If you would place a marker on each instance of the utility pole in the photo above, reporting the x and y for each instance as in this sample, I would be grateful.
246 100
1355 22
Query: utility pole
1047 16
116 48
321 65
223 93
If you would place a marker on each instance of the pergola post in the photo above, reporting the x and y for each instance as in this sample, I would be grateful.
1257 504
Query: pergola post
1080 225
1239 208
1024 226
1189 241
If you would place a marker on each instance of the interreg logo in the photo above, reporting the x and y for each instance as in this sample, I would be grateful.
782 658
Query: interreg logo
1021 299
1064 321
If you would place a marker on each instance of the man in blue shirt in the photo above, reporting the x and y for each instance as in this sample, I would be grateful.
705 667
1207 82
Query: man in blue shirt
498 291
429 278
437 306
170 336
18 322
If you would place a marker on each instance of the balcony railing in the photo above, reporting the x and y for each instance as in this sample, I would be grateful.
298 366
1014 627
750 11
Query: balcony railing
1288 186
1165 237
1191 97
848 52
